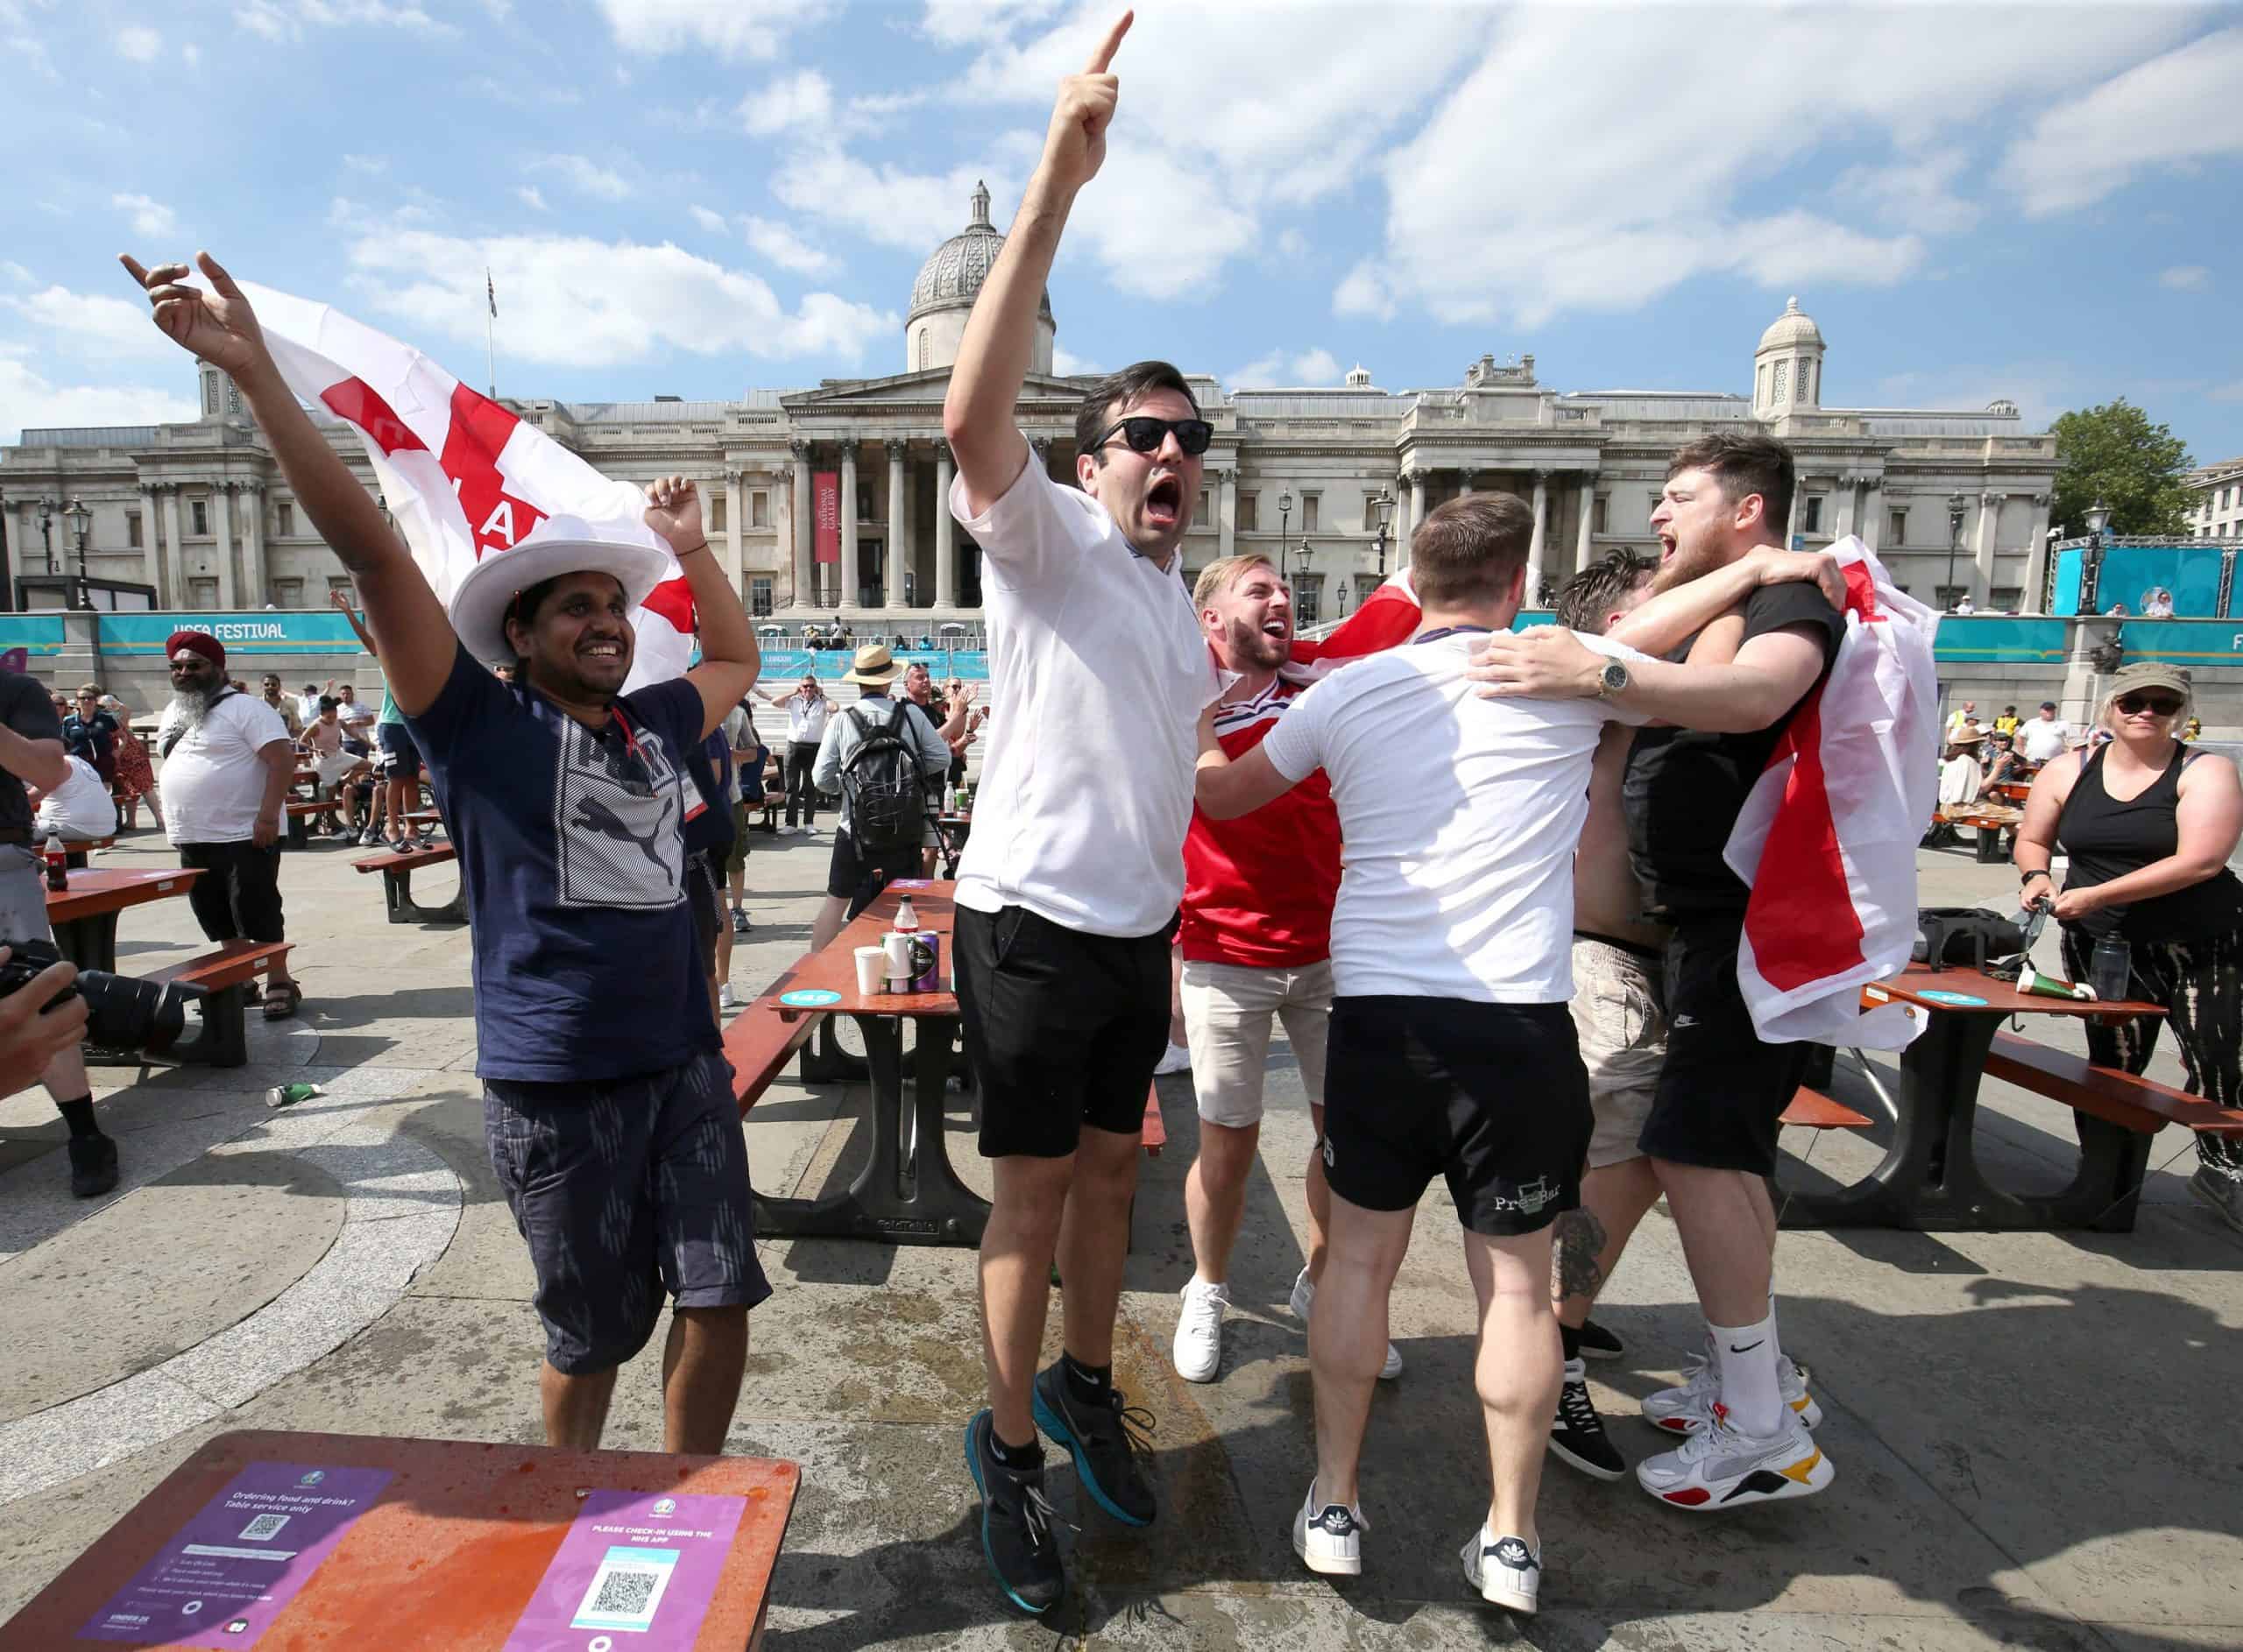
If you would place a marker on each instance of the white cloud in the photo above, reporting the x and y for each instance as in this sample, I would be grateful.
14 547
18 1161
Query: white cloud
373 165
1362 292
730 28
138 44
783 245
575 302
93 324
1289 370
2172 110
884 203
287 19
539 94
1067 364
149 217
1916 193
29 401
16 273
1291 243
794 102
2186 278
713 222
584 176
979 21
530 196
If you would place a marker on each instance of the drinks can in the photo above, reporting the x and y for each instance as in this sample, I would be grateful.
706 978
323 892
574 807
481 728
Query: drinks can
289 1095
926 965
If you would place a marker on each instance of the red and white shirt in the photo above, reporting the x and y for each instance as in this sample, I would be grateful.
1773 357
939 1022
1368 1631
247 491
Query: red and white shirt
1258 890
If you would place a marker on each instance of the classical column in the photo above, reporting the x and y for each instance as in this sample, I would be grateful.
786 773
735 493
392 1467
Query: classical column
1584 542
174 583
804 570
1872 512
734 499
1849 493
1982 552
1535 546
253 545
151 555
1791 523
1404 489
852 593
899 528
223 495
1420 484
1227 513
2036 560
945 535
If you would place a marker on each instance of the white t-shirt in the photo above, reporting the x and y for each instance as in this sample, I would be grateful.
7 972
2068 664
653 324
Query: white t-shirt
2044 738
78 808
212 782
307 709
1098 673
806 717
1960 780
1458 820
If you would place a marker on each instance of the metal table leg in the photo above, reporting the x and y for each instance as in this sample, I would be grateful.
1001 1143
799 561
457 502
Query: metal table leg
88 942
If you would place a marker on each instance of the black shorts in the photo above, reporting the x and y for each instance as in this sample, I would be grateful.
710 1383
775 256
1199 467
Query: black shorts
400 753
1722 1092
1063 1029
1492 1098
625 1188
858 877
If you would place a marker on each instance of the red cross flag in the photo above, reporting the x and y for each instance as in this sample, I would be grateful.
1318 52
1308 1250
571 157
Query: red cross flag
463 477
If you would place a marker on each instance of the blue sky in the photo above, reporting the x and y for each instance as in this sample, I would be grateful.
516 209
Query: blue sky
695 197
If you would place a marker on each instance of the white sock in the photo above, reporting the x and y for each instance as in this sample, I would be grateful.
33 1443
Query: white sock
1747 1358
1775 1345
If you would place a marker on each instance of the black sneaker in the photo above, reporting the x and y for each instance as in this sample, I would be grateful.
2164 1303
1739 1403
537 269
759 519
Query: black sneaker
1596 1343
1016 1525
1104 1440
93 1166
1577 1434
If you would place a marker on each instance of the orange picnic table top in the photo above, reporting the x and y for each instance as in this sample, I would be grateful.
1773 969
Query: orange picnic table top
1913 983
833 969
96 890
446 1556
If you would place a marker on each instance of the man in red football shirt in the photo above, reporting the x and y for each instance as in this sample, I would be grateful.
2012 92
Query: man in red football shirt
1257 941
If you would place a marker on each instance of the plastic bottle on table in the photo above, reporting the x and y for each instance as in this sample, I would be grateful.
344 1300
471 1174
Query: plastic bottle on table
58 863
906 920
2110 968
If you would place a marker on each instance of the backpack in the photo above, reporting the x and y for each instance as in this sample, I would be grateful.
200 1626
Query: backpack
880 783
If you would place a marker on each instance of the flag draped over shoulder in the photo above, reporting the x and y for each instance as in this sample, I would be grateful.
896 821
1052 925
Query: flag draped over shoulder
463 477
1389 615
1827 840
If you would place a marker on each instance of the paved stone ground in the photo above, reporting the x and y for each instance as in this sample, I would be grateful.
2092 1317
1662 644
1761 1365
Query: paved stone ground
2035 1433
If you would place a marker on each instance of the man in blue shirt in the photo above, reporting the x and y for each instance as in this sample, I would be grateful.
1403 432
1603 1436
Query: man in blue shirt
607 1104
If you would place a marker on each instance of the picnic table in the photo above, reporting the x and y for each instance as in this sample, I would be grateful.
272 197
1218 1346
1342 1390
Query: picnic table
1930 1179
84 915
427 1544
908 1191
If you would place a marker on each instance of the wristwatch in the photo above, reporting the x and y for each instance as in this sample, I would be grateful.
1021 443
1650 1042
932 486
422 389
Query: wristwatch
1612 680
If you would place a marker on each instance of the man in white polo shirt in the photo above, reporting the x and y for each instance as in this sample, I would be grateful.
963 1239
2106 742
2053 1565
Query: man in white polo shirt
2046 736
1069 886
807 709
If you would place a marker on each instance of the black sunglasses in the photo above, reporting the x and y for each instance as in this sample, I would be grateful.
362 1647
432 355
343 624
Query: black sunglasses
2160 705
1144 433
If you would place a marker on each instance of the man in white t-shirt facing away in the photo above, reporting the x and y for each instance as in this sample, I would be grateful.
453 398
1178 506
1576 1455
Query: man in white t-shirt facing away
2046 736
1451 1053
1068 888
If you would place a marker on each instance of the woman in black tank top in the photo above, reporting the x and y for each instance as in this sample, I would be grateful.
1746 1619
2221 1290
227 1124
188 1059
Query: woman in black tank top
2149 823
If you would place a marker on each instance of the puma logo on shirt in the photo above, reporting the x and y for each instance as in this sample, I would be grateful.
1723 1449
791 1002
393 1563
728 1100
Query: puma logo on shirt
594 815
617 811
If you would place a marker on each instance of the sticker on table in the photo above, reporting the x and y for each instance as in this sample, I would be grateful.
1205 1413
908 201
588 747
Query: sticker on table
229 1572
641 1563
1960 1000
808 998
911 883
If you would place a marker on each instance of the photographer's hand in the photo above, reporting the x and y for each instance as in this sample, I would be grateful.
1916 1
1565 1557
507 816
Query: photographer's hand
31 1034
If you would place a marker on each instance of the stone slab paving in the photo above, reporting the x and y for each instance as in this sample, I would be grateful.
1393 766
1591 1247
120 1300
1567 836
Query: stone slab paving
2033 1433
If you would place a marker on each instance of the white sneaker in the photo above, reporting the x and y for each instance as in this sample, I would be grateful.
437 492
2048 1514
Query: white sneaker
725 1000
1329 1536
1179 1060
1686 1409
1304 1296
1503 1569
1718 1467
1198 1347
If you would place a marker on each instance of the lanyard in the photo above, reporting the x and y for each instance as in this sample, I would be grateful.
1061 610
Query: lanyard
1448 631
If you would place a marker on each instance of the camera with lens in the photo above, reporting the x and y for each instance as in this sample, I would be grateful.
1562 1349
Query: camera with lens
123 1012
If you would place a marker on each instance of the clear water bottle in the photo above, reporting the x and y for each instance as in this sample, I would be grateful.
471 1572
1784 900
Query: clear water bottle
2110 968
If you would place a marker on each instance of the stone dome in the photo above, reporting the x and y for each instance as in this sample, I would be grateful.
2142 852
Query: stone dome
1790 330
951 277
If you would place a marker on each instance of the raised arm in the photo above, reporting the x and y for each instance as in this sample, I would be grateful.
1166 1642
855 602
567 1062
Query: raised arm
979 416
1769 675
342 601
218 327
730 656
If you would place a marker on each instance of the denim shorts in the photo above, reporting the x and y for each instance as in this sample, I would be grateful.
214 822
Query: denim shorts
627 1190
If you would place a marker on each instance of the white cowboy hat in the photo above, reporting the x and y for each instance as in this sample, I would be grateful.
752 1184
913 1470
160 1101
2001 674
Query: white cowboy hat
559 545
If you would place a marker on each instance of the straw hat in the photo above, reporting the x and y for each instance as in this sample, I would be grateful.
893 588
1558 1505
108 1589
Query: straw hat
874 667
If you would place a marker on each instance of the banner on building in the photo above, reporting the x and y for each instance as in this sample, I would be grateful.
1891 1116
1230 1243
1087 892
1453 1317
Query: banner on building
826 490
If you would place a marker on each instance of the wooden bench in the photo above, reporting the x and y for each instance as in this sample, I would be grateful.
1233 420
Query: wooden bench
2124 1100
76 849
221 974
300 812
1988 828
397 869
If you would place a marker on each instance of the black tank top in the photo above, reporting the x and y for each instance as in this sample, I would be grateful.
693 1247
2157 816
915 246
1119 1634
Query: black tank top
2107 840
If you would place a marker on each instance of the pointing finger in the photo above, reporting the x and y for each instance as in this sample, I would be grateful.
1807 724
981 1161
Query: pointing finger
132 268
1104 55
219 279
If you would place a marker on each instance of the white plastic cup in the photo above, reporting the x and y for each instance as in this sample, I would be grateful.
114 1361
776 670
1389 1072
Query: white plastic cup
872 969
897 945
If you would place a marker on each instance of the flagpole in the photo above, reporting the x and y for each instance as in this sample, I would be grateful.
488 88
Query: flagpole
490 333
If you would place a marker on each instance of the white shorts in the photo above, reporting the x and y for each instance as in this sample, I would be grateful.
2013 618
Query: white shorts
1619 1008
1226 1013
332 769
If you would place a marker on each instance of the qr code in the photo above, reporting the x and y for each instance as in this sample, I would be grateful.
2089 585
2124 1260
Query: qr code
625 1593
263 1526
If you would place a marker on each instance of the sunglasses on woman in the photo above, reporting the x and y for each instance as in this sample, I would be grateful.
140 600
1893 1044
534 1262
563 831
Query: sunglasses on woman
1144 433
2159 705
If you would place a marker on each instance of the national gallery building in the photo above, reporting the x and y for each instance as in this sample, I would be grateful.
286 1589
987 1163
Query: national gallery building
1327 481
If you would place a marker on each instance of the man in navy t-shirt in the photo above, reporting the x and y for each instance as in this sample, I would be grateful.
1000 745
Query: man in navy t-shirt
607 1104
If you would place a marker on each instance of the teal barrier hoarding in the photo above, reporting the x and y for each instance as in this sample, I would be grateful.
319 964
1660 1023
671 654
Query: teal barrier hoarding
271 631
2184 642
36 635
1995 639
828 665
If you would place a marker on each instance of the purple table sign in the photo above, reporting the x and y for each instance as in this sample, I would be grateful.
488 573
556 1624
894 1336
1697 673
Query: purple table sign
636 1573
229 1571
